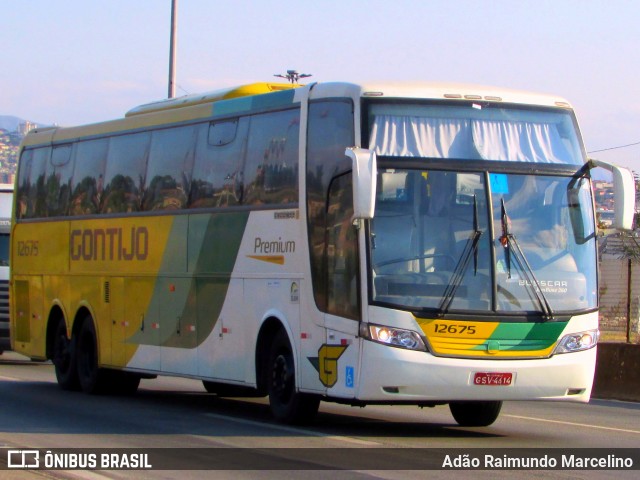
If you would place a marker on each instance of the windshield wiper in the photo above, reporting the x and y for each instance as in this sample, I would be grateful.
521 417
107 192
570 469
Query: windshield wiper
509 242
458 273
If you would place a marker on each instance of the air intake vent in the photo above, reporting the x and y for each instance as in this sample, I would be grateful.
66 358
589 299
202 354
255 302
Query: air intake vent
107 292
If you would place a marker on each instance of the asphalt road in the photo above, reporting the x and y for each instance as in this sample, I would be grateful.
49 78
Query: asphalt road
178 413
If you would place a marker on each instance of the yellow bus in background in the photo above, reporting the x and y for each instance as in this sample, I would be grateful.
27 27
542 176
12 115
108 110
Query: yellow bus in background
365 244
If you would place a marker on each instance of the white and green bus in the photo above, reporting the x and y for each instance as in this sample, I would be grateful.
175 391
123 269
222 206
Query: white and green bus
363 244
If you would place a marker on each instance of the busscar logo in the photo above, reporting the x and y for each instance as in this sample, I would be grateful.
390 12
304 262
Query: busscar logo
23 459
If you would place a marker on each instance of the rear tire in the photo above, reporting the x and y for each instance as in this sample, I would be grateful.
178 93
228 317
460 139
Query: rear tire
64 358
287 404
92 379
475 414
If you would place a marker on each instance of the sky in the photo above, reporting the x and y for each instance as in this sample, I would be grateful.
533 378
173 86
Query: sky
82 61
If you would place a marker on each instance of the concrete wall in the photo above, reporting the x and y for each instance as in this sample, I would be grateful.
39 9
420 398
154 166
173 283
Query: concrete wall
617 372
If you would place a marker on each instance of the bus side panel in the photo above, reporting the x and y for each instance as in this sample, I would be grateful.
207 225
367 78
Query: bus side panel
180 303
177 325
121 327
38 250
28 332
222 354
143 327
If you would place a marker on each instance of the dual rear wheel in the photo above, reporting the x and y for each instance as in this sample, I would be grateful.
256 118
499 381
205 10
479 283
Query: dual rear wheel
76 363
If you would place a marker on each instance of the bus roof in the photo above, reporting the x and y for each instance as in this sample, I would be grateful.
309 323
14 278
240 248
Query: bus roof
452 91
210 97
193 107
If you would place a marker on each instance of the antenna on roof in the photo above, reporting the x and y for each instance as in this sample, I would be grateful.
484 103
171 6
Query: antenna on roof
293 76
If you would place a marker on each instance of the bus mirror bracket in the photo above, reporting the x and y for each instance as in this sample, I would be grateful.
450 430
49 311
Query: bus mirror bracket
624 193
365 172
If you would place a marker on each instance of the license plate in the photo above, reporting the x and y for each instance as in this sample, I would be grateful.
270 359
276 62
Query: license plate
492 379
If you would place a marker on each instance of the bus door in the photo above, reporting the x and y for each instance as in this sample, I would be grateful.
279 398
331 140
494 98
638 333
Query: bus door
338 358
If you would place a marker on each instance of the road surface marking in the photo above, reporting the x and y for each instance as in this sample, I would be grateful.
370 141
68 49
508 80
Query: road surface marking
573 424
298 431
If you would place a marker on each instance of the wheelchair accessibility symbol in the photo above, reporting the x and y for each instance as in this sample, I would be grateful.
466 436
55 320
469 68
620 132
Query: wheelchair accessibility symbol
348 377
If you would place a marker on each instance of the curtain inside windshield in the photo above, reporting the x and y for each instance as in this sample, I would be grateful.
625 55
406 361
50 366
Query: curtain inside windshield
479 133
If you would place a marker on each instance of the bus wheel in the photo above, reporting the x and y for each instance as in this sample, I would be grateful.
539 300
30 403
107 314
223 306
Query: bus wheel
475 414
64 358
90 376
287 405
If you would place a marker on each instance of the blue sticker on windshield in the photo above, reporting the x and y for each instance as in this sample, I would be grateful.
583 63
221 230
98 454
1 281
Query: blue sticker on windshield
499 183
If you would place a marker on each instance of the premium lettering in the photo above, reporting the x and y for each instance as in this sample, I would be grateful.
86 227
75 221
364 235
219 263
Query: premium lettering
273 246
109 244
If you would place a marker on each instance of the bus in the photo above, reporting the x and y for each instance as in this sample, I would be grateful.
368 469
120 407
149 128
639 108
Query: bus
419 244
6 202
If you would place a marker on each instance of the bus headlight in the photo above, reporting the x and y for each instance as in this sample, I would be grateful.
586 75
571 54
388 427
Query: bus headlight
575 342
396 337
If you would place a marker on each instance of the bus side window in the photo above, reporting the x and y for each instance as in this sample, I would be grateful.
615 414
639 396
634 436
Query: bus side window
271 168
58 186
34 184
88 177
169 170
24 184
124 177
217 170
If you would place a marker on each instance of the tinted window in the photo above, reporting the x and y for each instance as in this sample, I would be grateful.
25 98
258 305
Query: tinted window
24 185
217 173
271 168
342 251
125 174
31 183
169 171
58 184
88 177
330 132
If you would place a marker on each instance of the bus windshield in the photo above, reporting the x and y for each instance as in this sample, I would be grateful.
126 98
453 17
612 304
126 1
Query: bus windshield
480 241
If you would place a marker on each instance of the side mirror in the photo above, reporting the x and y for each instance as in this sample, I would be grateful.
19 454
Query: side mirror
624 194
365 172
580 210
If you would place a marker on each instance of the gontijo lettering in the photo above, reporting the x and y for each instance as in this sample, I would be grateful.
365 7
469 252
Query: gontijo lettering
109 244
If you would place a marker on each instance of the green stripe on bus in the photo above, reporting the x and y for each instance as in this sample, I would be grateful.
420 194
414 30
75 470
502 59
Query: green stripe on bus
213 244
524 336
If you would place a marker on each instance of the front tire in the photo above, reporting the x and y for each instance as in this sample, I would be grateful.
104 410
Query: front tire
475 414
287 404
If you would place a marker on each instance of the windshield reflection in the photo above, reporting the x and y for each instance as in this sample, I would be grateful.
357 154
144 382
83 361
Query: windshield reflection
436 243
